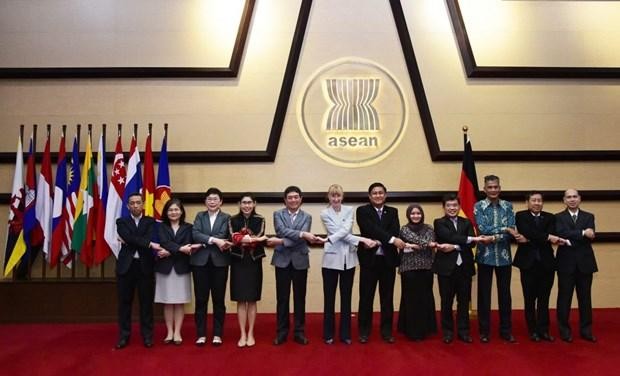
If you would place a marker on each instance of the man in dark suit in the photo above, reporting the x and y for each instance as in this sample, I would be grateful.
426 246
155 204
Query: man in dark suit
576 264
379 222
134 270
291 261
454 265
210 266
534 258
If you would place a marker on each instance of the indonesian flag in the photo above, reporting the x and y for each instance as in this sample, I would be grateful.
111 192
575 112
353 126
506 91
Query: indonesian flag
60 216
44 202
115 205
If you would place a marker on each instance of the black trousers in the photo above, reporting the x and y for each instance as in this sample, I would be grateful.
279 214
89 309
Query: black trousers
485 282
285 277
385 275
330 282
457 284
537 283
209 280
126 286
582 284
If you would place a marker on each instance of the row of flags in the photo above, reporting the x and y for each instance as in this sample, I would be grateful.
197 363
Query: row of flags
77 214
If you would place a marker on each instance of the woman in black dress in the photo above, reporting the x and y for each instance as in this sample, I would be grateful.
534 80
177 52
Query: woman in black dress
246 272
416 318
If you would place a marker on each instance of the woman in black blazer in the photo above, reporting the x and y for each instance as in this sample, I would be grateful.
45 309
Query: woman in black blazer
172 278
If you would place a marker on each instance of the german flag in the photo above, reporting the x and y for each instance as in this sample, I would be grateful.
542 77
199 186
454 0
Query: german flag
468 185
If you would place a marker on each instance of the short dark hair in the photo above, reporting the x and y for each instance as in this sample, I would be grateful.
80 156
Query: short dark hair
213 191
169 203
532 193
491 178
132 194
375 185
291 189
449 197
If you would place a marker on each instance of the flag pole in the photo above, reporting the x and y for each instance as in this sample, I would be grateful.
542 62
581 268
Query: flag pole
103 161
472 312
21 138
43 266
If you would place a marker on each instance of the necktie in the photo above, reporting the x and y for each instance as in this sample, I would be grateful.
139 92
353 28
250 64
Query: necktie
537 220
459 260
379 213
293 216
574 218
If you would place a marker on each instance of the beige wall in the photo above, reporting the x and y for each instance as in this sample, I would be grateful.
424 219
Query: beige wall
230 114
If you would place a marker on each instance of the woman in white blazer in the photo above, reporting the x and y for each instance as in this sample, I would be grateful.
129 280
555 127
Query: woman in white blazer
339 262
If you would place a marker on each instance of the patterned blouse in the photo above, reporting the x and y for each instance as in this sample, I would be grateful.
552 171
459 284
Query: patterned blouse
418 259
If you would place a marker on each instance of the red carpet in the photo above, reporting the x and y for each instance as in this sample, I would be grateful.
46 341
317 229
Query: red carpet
87 349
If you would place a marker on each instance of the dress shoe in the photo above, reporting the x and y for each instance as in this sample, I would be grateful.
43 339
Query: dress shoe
546 337
329 341
484 338
301 339
363 339
567 338
508 338
122 343
447 339
389 339
589 337
217 341
148 343
167 341
466 338
346 341
178 342
201 341
534 337
279 340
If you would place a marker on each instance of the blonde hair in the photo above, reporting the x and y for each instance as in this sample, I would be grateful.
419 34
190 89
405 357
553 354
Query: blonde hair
335 189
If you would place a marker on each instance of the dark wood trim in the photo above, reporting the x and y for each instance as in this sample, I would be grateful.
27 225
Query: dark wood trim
145 72
473 70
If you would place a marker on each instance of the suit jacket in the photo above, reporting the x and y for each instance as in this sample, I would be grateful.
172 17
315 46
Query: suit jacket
445 263
136 239
201 233
171 243
295 249
537 244
379 229
579 255
341 248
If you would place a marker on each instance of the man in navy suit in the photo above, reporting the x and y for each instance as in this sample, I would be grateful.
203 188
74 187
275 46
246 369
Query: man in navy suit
454 265
535 260
134 270
291 260
379 222
576 265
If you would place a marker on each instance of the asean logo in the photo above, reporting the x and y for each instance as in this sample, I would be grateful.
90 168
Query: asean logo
352 112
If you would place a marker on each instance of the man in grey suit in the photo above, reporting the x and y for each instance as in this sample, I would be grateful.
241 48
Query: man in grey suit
210 265
291 260
576 265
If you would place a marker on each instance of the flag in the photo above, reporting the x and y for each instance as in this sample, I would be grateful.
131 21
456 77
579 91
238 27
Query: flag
85 215
33 233
73 184
115 205
149 179
60 216
468 185
102 250
15 245
44 202
133 183
162 192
